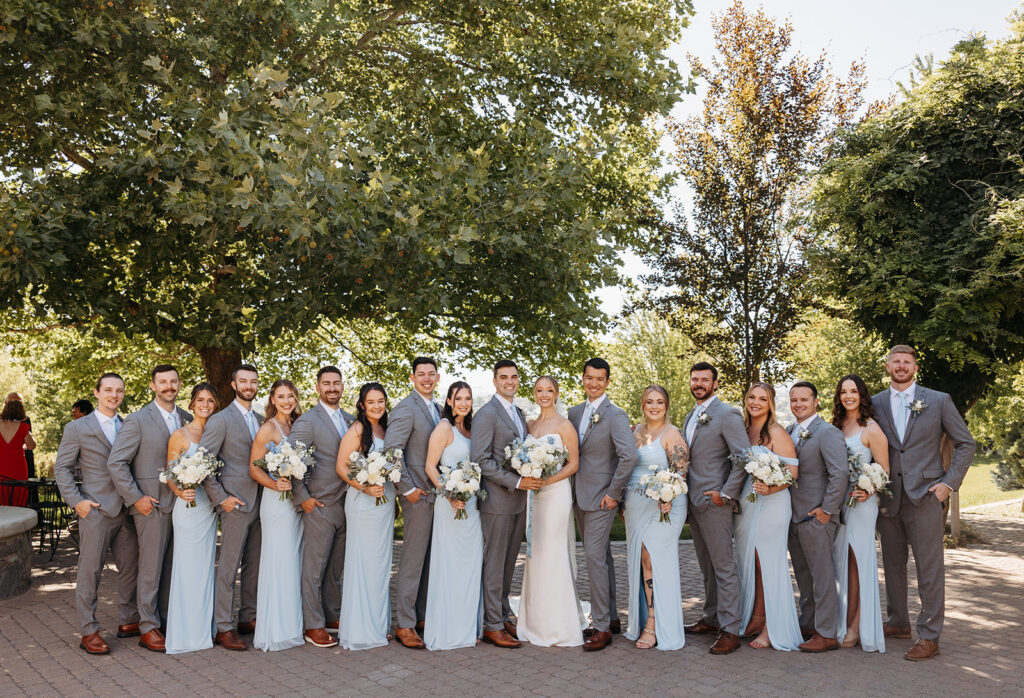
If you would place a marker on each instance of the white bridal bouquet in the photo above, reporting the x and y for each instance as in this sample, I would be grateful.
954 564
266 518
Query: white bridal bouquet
663 486
866 475
534 457
188 472
287 459
765 467
460 483
377 468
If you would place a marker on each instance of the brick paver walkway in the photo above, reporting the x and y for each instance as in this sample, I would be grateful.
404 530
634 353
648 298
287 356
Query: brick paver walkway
982 651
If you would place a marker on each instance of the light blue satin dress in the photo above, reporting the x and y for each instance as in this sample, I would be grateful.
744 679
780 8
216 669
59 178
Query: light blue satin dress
762 528
190 624
278 596
644 530
858 534
365 594
455 610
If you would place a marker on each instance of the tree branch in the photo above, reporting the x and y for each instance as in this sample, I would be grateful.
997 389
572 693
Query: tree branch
78 159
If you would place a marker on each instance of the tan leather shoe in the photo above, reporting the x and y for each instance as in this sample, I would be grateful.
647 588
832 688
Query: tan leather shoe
726 643
511 629
597 641
152 641
230 640
818 643
420 627
246 627
318 637
922 649
94 644
898 633
409 638
500 638
130 630
701 627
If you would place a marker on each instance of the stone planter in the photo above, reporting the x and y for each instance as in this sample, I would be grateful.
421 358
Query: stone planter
16 524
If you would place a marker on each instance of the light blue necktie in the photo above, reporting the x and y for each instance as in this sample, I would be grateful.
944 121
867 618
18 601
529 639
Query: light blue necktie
585 423
250 421
901 418
795 434
435 413
691 428
337 422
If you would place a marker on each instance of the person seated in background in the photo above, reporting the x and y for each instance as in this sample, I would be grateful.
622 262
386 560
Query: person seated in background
80 409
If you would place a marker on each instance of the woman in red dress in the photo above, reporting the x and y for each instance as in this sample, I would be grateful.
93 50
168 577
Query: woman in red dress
14 438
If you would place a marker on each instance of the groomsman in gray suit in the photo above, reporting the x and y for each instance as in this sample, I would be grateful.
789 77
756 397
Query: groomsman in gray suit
503 513
137 458
409 427
914 418
817 502
228 436
715 433
103 522
321 498
608 456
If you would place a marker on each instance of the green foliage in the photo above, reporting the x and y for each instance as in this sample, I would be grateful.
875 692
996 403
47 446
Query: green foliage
827 346
216 173
1009 472
924 207
1002 405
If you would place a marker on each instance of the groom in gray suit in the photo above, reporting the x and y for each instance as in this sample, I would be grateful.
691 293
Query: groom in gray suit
410 425
136 459
914 419
321 499
715 433
102 520
229 435
608 456
817 501
503 513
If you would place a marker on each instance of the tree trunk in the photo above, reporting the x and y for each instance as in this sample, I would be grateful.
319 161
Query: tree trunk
218 364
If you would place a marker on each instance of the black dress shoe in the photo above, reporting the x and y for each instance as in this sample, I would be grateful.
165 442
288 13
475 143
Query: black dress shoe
615 627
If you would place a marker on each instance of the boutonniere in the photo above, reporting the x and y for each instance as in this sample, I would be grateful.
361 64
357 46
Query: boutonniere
595 418
703 419
804 434
918 406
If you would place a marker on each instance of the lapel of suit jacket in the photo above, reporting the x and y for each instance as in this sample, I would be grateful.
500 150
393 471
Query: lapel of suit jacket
239 420
322 413
503 413
94 428
158 416
417 398
919 394
886 413
577 421
709 410
184 417
602 408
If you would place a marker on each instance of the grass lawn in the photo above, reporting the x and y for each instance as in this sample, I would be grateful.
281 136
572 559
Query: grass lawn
978 487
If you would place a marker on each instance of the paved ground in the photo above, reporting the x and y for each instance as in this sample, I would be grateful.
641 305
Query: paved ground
982 651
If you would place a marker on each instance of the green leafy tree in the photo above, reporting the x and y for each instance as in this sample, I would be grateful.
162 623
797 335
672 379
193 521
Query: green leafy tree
733 279
827 346
214 173
1009 471
924 209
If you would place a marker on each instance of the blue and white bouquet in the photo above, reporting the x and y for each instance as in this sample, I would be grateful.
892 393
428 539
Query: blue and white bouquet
866 475
460 483
188 472
663 486
765 466
287 460
533 457
377 468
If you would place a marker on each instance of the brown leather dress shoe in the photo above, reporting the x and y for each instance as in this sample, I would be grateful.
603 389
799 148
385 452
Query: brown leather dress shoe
726 643
615 627
922 649
701 627
130 630
819 643
597 641
94 644
152 641
332 628
230 640
898 633
511 629
409 638
500 638
318 637
420 627
246 627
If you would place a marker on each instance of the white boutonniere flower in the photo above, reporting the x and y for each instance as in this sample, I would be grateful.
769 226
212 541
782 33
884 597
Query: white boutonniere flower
703 419
804 435
918 406
595 418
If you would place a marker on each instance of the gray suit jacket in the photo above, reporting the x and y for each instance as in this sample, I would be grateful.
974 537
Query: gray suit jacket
84 444
409 428
315 428
139 455
492 431
711 465
824 471
608 455
226 436
915 464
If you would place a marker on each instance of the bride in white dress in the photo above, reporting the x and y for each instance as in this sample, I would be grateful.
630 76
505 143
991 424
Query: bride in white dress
550 613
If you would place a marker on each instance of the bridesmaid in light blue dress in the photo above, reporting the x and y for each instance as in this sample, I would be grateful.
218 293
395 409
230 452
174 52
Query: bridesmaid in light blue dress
278 597
365 593
454 616
190 602
856 560
768 605
652 546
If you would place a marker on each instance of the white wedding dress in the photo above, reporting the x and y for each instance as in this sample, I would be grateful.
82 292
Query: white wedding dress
550 613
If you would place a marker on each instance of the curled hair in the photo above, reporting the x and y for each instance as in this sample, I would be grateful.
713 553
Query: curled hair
765 435
271 410
866 410
655 388
366 440
200 387
448 413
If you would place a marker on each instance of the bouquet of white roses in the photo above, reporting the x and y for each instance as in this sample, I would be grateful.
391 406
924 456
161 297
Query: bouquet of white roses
866 475
287 459
187 472
765 467
377 468
535 457
663 486
460 483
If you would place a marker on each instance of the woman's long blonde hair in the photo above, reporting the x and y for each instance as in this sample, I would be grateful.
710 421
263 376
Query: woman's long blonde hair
765 436
655 388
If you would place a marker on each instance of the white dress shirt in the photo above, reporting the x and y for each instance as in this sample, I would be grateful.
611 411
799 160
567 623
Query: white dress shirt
170 419
588 412
337 419
249 417
691 426
108 425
